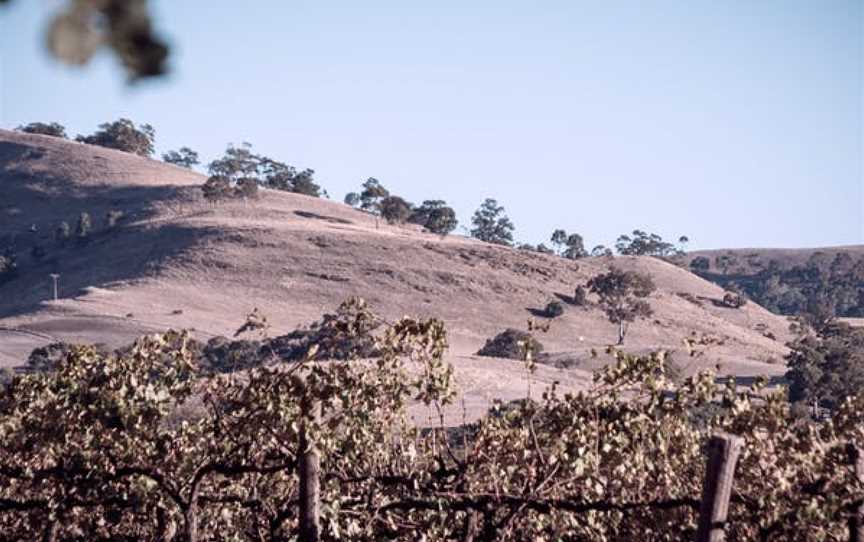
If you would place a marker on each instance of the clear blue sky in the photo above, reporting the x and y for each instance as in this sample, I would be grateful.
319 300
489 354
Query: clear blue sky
738 123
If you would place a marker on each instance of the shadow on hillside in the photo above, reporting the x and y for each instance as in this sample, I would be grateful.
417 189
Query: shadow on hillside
34 205
38 201
326 218
538 313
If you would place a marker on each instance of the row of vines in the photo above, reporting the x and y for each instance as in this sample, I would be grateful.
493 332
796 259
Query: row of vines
141 445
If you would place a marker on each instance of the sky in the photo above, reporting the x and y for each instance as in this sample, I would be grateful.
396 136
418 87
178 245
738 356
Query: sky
736 123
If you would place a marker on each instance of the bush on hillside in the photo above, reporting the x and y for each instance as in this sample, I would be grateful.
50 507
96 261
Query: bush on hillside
511 344
734 298
553 309
580 296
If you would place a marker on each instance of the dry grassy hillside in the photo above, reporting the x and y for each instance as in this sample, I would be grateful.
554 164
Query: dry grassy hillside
177 262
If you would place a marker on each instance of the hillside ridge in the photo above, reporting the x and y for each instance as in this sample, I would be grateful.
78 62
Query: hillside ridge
175 261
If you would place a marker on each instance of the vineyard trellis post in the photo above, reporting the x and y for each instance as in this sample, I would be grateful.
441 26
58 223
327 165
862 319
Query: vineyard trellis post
723 452
309 468
856 519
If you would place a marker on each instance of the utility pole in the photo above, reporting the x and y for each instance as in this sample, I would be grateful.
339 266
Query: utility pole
55 276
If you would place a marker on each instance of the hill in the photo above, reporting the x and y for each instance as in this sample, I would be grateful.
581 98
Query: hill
748 261
174 261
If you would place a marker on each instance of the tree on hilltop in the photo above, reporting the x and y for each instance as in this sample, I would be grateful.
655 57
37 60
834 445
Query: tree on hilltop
53 129
435 216
395 210
124 136
184 157
570 246
644 244
491 224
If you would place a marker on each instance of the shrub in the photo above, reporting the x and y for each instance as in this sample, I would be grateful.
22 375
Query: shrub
216 189
553 309
580 296
247 188
352 199
734 298
511 344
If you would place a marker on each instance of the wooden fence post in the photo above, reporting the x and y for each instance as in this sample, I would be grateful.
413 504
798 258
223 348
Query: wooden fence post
856 519
309 468
723 452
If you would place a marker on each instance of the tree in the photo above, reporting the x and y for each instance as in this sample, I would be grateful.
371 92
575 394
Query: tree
491 224
8 267
569 246
352 199
435 216
622 296
827 367
82 229
123 135
302 183
53 129
644 244
724 262
395 210
575 247
240 162
700 264
184 157
372 195
601 250
559 240
62 233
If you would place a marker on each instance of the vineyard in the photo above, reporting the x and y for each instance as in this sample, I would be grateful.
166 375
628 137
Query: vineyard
143 444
